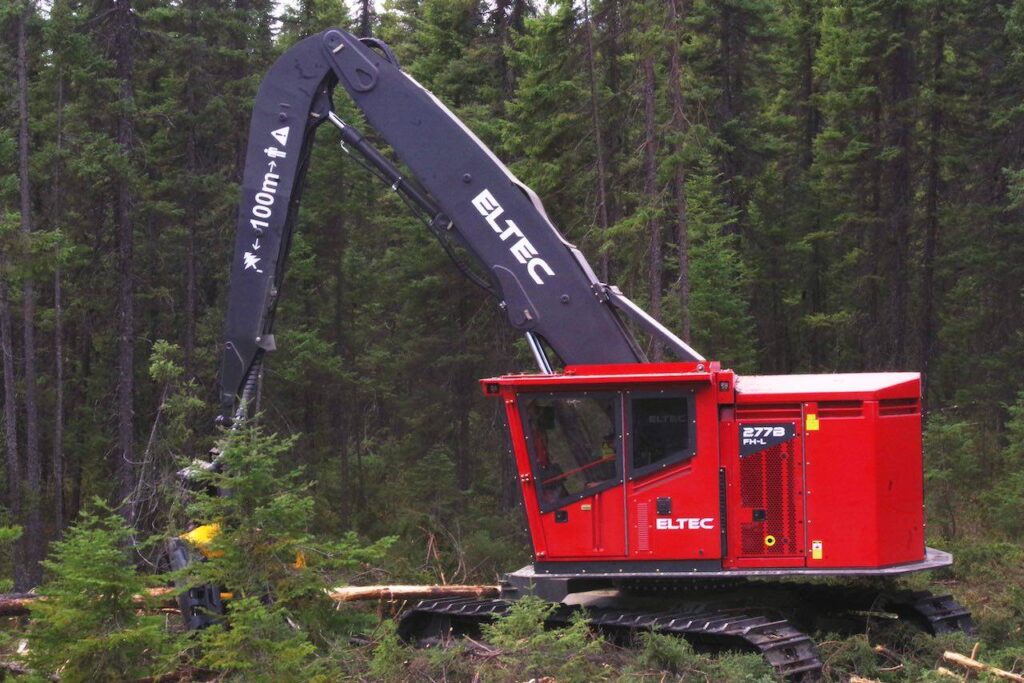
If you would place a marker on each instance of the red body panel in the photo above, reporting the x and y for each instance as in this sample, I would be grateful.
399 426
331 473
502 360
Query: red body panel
803 471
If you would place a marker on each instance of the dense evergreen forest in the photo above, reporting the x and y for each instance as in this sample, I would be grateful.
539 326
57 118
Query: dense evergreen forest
793 186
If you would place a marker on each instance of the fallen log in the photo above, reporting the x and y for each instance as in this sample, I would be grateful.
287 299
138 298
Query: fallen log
19 604
398 592
15 604
22 670
975 665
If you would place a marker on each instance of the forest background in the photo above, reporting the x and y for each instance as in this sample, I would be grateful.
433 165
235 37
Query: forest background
796 186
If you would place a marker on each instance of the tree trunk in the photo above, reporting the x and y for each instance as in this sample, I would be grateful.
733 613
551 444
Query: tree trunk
365 18
650 166
680 123
808 53
614 141
58 325
11 429
900 212
123 27
600 152
933 190
33 530
463 382
819 344
192 212
732 35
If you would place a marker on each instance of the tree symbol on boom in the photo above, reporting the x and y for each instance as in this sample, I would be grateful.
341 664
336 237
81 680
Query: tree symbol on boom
251 260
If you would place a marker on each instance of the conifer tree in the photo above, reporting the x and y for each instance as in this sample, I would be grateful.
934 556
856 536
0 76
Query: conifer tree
87 628
268 556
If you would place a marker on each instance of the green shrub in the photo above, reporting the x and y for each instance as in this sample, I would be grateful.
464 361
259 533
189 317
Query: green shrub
533 651
666 652
742 667
261 645
87 629
276 569
390 654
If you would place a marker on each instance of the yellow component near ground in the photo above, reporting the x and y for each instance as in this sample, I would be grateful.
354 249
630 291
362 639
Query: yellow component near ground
812 424
201 536
769 541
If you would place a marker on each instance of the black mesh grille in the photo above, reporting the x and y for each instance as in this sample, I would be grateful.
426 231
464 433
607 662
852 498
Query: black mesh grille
769 481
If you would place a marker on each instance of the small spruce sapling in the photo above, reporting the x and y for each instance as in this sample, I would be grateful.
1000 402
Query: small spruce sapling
87 628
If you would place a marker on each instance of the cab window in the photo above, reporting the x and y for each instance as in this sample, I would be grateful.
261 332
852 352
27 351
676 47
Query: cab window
661 432
574 444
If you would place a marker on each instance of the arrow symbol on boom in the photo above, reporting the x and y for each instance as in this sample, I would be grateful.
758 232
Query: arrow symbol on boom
256 245
272 165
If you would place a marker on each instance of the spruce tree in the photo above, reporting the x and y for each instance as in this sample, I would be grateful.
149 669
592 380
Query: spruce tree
88 628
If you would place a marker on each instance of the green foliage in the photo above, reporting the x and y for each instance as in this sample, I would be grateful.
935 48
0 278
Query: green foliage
267 556
719 306
952 464
666 652
390 655
742 667
267 522
1004 503
562 653
260 645
87 628
9 535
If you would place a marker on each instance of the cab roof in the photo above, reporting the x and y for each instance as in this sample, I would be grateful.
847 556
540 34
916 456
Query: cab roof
854 386
863 386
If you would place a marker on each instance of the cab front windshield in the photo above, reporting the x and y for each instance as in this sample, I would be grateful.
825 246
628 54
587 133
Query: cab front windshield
574 445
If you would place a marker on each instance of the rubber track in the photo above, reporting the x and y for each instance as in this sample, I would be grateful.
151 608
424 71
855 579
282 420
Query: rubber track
935 614
790 652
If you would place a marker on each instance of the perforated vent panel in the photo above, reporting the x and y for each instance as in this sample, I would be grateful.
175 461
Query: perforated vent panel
770 492
643 527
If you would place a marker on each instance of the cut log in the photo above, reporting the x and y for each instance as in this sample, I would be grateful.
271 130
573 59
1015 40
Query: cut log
398 592
975 665
15 604
20 669
18 604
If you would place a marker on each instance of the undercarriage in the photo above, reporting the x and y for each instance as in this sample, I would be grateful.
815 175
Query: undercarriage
770 612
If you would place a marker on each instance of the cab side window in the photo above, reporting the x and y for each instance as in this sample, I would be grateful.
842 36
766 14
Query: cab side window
574 444
661 431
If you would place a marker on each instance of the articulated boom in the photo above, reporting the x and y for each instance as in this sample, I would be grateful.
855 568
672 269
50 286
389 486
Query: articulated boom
468 196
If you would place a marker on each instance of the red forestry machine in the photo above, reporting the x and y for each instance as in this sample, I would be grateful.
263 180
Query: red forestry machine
721 495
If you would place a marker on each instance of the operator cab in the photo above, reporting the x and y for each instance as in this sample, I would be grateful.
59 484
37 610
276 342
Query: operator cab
683 468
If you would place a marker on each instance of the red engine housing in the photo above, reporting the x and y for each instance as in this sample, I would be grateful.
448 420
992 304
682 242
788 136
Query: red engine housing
684 467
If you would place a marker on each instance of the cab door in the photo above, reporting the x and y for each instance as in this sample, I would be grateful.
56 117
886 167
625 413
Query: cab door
574 441
672 477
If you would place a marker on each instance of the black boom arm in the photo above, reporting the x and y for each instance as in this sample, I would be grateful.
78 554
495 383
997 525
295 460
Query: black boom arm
545 286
